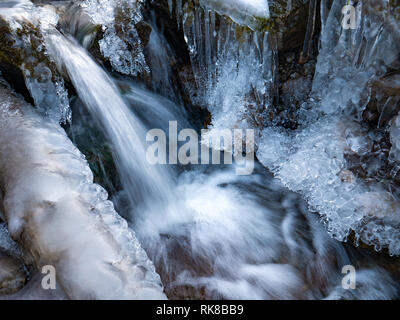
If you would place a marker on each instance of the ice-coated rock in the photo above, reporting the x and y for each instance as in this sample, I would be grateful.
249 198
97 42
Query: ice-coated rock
60 218
23 51
120 43
12 275
313 162
332 158
244 12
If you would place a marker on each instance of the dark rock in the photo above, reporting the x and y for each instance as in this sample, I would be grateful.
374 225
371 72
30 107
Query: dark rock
144 31
14 76
290 22
12 275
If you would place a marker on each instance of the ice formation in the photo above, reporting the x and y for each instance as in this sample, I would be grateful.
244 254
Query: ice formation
233 64
120 43
313 163
314 159
232 58
44 84
348 59
223 235
60 218
244 12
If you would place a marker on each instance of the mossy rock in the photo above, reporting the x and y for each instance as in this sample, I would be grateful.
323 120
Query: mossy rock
24 47
23 55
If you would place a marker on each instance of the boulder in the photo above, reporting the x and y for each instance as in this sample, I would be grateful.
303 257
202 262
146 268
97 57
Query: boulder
12 275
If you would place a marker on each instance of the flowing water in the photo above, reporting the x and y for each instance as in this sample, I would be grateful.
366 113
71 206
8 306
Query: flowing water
209 232
124 130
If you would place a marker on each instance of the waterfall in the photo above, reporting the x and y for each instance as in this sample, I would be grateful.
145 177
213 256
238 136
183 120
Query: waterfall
222 249
197 231
161 58
126 133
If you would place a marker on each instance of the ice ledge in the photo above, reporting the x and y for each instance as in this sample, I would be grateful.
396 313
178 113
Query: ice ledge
244 12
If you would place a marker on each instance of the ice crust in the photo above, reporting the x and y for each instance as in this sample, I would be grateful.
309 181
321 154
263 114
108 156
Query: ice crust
233 65
46 88
122 49
60 217
314 159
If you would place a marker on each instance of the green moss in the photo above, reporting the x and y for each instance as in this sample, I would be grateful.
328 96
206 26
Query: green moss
24 48
265 25
8 52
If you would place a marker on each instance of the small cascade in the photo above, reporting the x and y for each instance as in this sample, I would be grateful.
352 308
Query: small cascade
128 136
332 172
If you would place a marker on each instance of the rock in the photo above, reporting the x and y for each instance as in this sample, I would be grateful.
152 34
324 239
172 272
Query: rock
290 22
144 31
59 217
23 58
118 39
90 139
12 275
178 59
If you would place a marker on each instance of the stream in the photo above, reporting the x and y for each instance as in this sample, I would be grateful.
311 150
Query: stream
197 231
